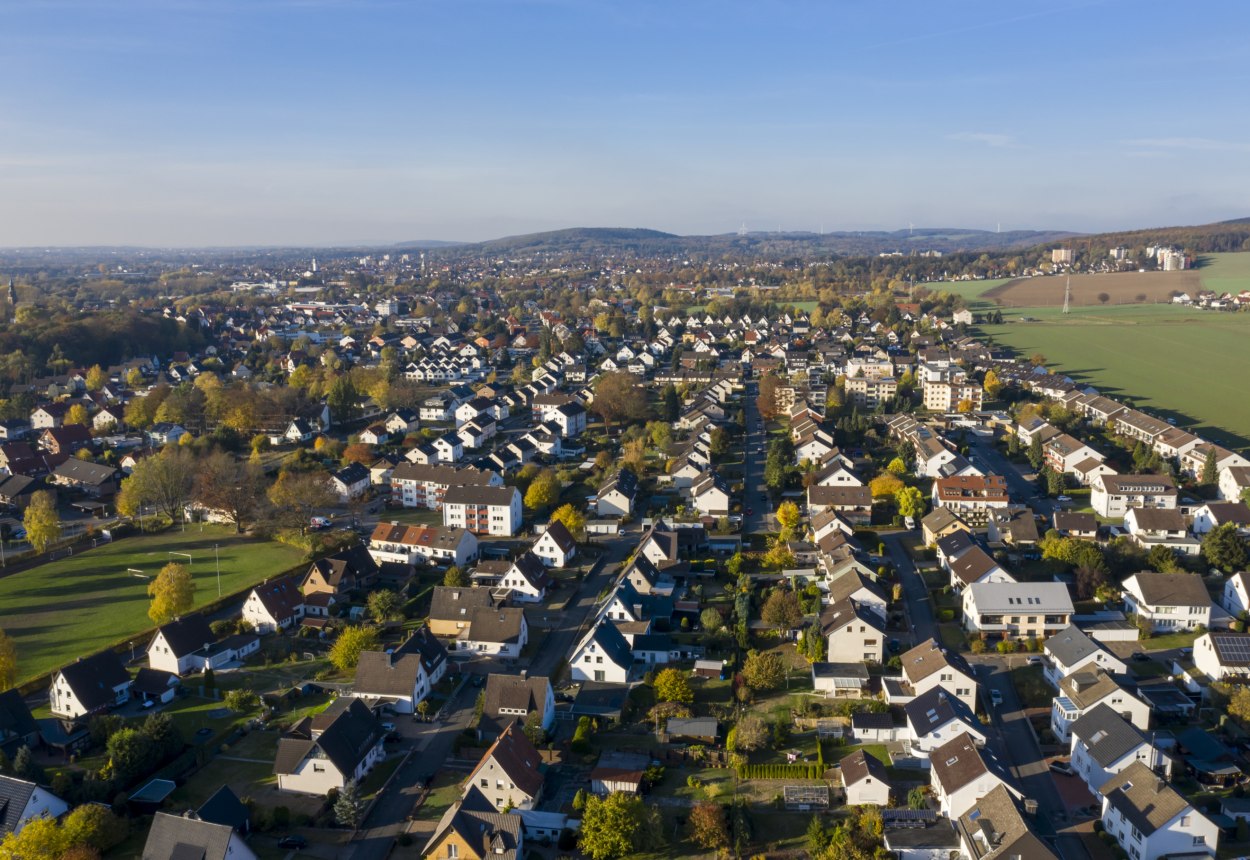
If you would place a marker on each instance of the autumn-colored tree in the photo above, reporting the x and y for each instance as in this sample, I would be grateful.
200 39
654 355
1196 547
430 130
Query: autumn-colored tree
40 839
96 378
42 521
573 519
766 401
708 827
671 685
172 593
992 384
543 491
619 398
298 496
345 653
788 518
885 484
164 482
764 670
359 452
77 415
619 825
8 661
782 609
910 501
232 489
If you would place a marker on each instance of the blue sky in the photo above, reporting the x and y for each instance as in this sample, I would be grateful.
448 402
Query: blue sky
204 122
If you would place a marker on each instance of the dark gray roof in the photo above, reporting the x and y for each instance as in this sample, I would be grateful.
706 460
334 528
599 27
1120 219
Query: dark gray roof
859 765
224 807
457 604
1070 645
496 625
1172 589
176 836
490 833
937 708
348 738
14 795
479 495
94 678
15 717
515 693
187 635
85 472
395 674
1106 735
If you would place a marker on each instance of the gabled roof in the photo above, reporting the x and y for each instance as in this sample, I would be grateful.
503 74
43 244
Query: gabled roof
458 604
14 795
515 693
610 641
560 534
958 762
280 597
496 625
1106 735
94 679
224 807
395 674
1070 645
178 837
1144 799
995 829
513 753
351 733
1171 589
929 657
936 708
859 765
15 716
835 616
479 495
476 821
85 472
187 635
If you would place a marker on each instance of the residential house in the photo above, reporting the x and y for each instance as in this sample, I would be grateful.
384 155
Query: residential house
929 665
273 606
1017 609
963 772
16 491
1084 690
23 801
617 495
325 751
1235 598
402 676
94 480
994 829
508 773
1151 820
418 485
88 686
972 497
451 609
350 482
483 509
1151 527
836 680
1168 601
165 433
853 633
854 504
864 780
177 836
1104 743
473 829
1071 650
17 726
555 547
602 655
1222 656
526 579
187 645
711 495
935 718
509 699
939 523
347 570
1212 515
401 544
495 632
1112 495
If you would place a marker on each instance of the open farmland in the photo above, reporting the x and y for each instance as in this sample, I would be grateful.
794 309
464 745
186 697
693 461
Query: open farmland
1178 362
73 607
1111 288
1225 273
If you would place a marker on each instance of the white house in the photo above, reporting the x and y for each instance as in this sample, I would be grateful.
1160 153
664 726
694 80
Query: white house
1236 595
616 497
187 645
350 482
1150 820
1215 514
1017 609
710 494
853 634
24 801
1084 690
928 666
342 743
602 655
508 773
555 547
1103 744
393 542
1070 650
527 579
1112 495
90 685
483 510
962 773
1169 601
403 676
495 632
1223 655
864 780
274 605
935 718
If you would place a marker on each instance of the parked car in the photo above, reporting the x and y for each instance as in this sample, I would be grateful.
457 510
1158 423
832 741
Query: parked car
1139 657
996 698
1063 498
1034 660
1062 767
293 841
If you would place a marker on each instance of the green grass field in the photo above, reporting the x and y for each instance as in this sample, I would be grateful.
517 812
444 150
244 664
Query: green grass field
76 606
1225 273
971 291
1177 362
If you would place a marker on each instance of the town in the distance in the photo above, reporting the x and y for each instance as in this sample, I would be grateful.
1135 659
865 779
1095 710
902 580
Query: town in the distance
595 544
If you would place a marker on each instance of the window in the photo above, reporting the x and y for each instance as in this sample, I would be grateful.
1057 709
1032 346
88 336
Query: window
485 783
453 849
1200 840
1185 820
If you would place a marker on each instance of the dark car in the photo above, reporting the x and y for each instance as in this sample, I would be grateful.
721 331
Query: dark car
1140 657
293 841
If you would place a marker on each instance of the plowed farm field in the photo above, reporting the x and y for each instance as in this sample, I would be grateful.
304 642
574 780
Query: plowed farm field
1112 288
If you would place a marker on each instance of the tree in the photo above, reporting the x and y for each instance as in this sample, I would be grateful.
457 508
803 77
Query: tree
349 807
734 566
131 754
95 825
782 609
96 378
616 826
764 671
455 578
812 644
885 484
718 445
1210 470
711 620
544 491
343 399
1103 298
385 605
163 482
40 839
779 556
965 405
661 435
77 414
788 517
172 593
708 827
1239 705
751 733
242 700
1037 359
671 685
897 466
1224 548
8 661
1162 559
910 501
573 519
1035 451
766 401
41 521
1089 579
359 452
298 496
345 653
231 489
619 397
670 404
992 384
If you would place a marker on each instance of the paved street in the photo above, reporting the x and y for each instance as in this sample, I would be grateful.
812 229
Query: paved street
918 606
1023 490
755 448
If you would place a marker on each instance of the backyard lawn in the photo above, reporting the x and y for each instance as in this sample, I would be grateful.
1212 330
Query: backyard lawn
73 607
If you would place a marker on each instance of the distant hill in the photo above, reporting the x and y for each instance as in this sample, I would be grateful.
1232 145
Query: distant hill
1221 236
634 242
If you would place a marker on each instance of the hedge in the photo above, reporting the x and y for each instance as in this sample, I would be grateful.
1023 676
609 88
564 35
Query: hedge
781 771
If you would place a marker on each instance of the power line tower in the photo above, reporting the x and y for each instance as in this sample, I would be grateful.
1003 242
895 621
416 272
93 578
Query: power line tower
1067 294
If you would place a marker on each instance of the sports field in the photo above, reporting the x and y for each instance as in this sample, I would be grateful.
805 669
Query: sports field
1181 363
76 606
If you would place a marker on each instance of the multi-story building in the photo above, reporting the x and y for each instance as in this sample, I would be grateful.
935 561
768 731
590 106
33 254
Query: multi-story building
483 509
419 485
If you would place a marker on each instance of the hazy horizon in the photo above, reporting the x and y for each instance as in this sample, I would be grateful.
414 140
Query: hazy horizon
316 123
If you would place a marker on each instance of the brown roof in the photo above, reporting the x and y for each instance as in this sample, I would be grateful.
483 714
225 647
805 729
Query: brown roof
487 624
515 693
972 565
929 657
1146 800
839 497
515 755
431 536
988 487
395 674
956 763
858 766
1172 589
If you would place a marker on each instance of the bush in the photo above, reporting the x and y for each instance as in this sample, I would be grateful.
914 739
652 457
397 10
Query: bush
946 615
978 646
